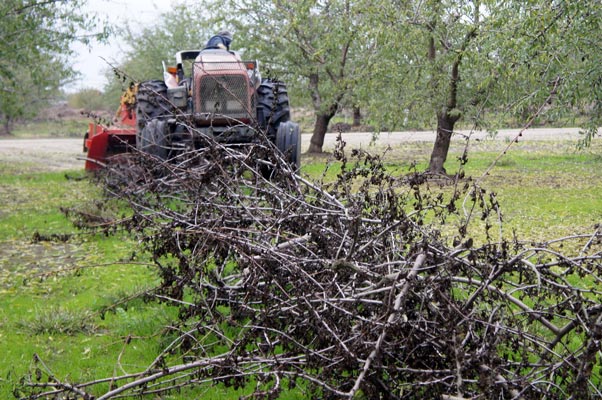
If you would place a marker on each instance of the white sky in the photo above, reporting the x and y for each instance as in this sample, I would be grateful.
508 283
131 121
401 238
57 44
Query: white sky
135 13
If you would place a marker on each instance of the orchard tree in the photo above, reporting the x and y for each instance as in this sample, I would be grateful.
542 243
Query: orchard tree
35 39
310 44
181 28
441 62
89 99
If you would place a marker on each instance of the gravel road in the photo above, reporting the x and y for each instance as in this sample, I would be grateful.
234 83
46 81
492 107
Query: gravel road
66 154
44 154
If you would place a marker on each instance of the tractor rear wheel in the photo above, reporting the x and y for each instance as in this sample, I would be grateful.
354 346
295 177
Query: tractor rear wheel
272 106
151 102
288 141
152 139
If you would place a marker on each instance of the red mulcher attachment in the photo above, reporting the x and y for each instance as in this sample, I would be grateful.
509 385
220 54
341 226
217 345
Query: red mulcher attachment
101 142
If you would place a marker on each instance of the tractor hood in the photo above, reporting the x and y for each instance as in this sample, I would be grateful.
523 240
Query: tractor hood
219 60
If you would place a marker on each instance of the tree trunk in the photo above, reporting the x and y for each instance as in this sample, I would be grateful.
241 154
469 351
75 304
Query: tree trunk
450 114
6 128
357 116
320 128
445 128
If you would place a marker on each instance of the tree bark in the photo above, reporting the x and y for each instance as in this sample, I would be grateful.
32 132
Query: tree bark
320 128
6 127
357 116
323 115
445 128
450 114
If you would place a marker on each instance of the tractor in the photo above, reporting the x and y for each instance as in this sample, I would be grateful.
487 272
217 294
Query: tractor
209 93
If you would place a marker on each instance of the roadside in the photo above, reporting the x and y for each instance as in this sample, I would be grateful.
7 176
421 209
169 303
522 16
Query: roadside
57 154
51 154
395 138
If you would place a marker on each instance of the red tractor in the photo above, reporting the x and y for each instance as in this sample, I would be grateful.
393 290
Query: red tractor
209 93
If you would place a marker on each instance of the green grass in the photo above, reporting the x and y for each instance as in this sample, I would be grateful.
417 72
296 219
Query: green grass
545 192
66 127
53 293
546 189
57 320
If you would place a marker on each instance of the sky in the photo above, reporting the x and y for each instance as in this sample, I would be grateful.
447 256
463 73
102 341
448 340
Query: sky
89 60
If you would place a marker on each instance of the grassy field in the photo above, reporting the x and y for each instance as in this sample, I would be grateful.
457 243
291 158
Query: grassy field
56 281
546 190
60 289
59 127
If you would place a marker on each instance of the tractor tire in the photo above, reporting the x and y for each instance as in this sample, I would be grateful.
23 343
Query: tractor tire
152 139
151 102
288 141
272 106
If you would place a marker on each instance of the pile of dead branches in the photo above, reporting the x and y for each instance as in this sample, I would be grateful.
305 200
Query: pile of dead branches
343 287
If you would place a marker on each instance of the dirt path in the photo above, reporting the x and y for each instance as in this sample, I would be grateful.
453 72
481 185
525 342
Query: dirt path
44 154
66 154
396 138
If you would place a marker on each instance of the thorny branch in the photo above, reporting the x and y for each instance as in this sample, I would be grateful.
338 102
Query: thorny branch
347 287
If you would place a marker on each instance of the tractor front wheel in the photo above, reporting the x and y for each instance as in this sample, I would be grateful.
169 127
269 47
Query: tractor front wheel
151 102
272 106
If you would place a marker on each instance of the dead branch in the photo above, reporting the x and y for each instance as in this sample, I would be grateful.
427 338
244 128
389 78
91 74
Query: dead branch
348 286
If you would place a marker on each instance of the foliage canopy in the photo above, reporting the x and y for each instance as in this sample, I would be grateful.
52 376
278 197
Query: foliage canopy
184 27
432 63
408 64
35 39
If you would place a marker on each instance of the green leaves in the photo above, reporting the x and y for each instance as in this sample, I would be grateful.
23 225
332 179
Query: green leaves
35 39
185 27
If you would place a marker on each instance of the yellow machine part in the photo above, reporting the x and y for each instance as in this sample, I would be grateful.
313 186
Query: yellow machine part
128 99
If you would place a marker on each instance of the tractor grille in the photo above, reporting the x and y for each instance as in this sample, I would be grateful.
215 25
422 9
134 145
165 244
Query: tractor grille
226 95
